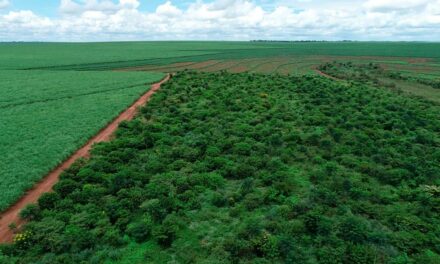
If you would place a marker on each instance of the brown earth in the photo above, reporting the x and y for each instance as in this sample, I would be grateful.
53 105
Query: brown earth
11 215
325 75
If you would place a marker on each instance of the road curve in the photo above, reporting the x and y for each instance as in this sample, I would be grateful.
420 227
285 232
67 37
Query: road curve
323 74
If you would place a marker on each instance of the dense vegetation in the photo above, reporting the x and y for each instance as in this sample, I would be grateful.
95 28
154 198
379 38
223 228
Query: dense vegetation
247 168
46 115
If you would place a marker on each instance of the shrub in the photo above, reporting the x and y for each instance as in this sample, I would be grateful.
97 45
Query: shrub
167 231
140 230
66 187
219 199
30 212
48 200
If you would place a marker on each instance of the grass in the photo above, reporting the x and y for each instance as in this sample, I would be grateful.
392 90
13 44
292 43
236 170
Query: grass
45 116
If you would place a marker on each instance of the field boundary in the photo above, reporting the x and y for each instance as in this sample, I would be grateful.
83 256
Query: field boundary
11 215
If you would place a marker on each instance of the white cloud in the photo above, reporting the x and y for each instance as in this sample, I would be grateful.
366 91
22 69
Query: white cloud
89 20
4 4
106 6
168 9
26 18
129 4
393 5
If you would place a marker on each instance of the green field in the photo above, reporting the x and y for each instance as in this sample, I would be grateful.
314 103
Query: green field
250 168
129 54
46 115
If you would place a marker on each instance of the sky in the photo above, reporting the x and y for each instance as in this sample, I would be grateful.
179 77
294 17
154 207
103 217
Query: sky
119 20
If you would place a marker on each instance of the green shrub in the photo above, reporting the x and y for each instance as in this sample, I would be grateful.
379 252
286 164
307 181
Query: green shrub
140 230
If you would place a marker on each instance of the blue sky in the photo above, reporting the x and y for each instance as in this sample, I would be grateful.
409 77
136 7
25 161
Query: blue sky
50 7
103 20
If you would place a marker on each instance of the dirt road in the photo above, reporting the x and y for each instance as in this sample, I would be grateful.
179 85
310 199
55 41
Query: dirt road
11 214
325 74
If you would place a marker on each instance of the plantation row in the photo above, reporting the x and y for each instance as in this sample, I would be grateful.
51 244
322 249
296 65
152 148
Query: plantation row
248 168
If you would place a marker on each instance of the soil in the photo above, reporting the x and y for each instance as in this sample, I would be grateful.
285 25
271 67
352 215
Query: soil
325 75
11 215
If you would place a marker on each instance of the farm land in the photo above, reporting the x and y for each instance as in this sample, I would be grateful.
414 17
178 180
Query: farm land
249 154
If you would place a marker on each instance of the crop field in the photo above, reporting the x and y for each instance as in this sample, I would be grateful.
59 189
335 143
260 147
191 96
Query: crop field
254 152
102 56
46 115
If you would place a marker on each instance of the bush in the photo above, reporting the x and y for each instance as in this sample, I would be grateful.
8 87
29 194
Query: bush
65 187
48 200
140 230
166 233
31 212
267 246
219 199
354 229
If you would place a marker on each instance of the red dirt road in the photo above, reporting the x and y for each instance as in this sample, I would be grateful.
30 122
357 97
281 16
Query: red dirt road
11 214
325 75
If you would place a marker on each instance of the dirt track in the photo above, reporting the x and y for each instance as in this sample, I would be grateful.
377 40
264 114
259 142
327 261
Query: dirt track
11 214
325 75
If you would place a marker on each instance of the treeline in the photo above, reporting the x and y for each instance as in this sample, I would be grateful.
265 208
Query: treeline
247 168
293 41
